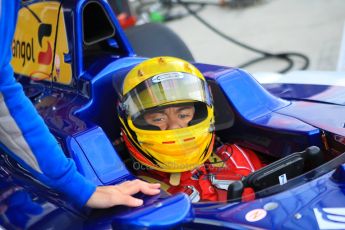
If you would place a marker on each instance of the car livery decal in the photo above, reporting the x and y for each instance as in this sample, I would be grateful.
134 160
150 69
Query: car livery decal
33 46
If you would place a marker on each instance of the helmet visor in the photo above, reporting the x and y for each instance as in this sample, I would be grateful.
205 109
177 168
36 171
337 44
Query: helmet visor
164 89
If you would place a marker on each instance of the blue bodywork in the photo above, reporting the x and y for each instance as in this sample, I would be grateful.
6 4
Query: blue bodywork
83 118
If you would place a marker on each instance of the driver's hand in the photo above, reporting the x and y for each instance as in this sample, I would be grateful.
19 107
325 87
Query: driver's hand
109 196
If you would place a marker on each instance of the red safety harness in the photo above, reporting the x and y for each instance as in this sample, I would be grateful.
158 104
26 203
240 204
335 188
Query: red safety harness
210 181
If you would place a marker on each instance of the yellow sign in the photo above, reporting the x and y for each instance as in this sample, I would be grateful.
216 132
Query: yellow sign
34 43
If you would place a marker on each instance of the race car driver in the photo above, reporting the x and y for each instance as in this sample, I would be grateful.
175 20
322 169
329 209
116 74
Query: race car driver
25 137
167 117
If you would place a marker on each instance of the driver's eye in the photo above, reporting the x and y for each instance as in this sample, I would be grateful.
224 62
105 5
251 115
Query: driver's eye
183 116
158 119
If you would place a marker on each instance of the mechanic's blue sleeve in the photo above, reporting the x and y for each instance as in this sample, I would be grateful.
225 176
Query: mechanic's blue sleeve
23 133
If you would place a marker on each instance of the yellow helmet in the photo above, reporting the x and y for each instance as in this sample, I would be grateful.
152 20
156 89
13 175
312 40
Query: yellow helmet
157 83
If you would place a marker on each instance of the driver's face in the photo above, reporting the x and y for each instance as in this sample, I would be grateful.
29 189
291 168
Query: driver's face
173 117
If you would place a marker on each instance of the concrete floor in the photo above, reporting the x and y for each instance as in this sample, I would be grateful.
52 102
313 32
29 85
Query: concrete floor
314 28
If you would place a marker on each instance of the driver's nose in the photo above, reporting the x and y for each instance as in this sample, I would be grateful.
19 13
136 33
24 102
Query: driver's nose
173 124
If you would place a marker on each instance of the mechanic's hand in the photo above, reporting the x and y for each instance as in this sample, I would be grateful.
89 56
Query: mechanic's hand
109 196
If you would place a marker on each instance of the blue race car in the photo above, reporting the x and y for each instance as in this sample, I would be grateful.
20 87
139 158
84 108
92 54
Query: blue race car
70 66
